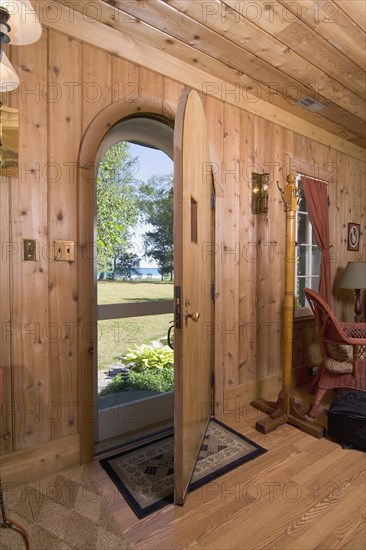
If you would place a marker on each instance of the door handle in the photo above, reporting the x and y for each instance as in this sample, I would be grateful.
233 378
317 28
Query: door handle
170 343
194 316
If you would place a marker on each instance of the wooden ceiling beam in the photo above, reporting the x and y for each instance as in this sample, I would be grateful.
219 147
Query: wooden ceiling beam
355 10
283 94
335 27
265 57
296 25
77 25
158 16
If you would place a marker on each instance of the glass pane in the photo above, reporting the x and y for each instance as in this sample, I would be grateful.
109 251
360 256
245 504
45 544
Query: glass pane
313 238
308 253
301 261
119 337
302 206
301 228
316 261
300 302
314 283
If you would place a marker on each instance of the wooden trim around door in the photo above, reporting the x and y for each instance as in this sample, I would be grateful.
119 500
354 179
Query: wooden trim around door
87 332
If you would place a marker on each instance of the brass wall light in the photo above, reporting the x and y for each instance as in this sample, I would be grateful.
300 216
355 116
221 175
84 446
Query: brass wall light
260 184
9 136
19 26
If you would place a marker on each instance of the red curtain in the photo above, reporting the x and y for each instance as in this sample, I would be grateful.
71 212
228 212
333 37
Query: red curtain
316 196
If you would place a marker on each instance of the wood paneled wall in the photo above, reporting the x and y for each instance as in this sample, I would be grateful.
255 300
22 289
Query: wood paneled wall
65 85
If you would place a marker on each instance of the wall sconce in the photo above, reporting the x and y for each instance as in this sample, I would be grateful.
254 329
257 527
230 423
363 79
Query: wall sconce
19 25
9 137
260 184
9 80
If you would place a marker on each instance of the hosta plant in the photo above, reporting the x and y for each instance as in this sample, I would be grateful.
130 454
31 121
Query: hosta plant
146 357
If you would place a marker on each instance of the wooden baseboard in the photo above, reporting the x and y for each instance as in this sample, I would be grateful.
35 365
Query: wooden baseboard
45 459
239 397
301 375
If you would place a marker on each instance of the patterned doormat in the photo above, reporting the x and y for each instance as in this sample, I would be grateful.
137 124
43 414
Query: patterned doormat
145 475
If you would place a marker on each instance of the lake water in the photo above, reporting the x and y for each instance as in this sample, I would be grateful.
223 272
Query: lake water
149 273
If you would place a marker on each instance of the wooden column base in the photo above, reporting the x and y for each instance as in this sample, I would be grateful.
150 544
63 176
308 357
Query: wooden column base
284 411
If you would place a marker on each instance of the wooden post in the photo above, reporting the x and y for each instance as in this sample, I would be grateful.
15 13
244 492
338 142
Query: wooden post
290 198
284 410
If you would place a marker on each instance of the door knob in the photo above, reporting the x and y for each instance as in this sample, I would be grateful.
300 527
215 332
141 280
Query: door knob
194 316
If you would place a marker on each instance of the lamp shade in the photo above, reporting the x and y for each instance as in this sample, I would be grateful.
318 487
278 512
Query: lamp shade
354 276
23 20
9 79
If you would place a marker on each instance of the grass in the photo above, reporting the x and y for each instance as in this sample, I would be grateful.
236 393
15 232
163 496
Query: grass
117 336
120 292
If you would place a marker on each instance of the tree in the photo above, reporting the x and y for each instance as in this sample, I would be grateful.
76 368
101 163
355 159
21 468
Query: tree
117 210
156 203
126 264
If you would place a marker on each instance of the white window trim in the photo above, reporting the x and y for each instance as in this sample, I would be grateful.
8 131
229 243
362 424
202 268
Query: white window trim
305 311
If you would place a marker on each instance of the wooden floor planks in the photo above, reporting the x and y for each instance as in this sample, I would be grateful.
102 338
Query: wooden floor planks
302 494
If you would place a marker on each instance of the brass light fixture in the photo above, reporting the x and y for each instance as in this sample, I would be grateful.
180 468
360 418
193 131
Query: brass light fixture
9 137
19 26
260 184
9 78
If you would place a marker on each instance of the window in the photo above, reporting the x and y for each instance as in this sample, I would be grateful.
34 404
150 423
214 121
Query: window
308 254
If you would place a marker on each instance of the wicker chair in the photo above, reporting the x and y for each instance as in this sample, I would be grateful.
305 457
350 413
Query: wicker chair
343 350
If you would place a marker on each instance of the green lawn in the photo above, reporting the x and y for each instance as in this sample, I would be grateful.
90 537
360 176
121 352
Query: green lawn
112 292
117 336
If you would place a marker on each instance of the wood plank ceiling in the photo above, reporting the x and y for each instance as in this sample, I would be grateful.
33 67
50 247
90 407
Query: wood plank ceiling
280 51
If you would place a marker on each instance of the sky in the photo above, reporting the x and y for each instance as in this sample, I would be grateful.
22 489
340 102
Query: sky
151 162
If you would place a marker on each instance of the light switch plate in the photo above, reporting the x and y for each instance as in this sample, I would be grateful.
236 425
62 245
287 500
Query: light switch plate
64 251
29 250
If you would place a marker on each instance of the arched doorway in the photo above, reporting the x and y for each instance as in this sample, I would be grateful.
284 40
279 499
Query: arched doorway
194 289
87 328
131 310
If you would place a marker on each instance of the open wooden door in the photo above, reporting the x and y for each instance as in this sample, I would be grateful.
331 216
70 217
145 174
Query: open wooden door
193 282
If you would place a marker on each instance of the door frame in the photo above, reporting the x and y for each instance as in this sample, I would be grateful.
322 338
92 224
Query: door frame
121 418
87 331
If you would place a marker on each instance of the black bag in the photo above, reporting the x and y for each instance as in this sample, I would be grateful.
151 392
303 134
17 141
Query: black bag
347 420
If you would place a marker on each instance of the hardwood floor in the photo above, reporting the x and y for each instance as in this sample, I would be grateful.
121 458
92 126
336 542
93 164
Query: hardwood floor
304 493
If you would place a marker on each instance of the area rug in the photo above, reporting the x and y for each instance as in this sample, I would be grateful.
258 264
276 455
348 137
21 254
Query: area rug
65 511
145 475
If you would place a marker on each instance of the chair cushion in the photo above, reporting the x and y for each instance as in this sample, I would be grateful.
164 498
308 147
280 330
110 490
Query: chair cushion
339 352
340 358
339 367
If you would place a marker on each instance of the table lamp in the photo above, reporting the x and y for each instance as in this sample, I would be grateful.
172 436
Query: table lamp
354 276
